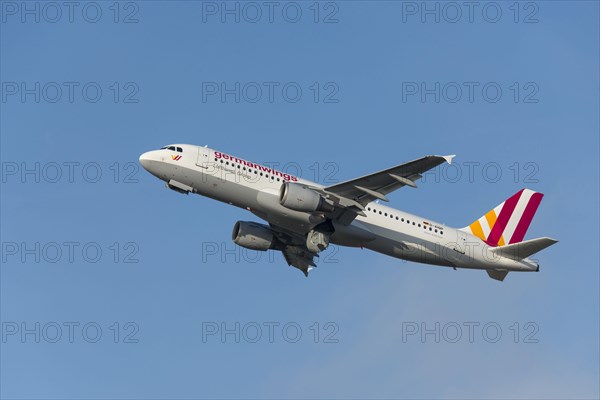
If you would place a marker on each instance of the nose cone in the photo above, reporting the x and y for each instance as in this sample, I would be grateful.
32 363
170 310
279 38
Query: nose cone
152 161
145 160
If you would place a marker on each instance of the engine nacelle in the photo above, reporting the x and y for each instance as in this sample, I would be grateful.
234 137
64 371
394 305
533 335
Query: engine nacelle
298 197
254 236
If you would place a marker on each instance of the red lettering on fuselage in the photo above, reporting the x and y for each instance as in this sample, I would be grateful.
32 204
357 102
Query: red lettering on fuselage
287 177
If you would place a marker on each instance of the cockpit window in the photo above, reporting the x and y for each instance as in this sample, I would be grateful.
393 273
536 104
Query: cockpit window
172 148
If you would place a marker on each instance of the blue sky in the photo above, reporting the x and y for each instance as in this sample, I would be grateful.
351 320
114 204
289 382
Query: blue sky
168 271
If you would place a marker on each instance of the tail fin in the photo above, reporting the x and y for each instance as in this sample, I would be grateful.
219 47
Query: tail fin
508 222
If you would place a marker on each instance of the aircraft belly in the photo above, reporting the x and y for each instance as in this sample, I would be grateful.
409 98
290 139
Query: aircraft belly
401 245
218 189
262 202
354 235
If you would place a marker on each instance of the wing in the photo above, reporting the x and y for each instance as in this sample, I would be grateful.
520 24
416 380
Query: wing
365 189
351 197
349 200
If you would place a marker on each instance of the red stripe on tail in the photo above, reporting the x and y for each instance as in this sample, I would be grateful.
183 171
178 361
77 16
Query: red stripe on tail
525 220
503 218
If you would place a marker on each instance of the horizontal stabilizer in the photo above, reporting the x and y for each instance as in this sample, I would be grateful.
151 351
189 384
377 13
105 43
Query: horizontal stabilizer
521 250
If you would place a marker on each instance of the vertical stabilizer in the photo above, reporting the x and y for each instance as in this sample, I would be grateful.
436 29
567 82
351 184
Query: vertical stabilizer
508 222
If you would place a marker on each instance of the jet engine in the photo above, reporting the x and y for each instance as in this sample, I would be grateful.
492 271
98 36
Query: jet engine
298 197
254 236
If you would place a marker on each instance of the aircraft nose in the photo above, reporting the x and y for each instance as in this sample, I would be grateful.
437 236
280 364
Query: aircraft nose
145 160
153 162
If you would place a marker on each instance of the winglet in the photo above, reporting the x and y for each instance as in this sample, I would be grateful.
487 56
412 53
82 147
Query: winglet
449 158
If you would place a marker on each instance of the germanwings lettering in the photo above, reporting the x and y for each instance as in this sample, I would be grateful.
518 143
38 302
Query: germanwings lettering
287 177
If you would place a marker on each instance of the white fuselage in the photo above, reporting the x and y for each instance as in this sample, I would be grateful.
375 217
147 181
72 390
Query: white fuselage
384 229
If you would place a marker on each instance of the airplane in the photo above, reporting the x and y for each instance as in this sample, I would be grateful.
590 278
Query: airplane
305 217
